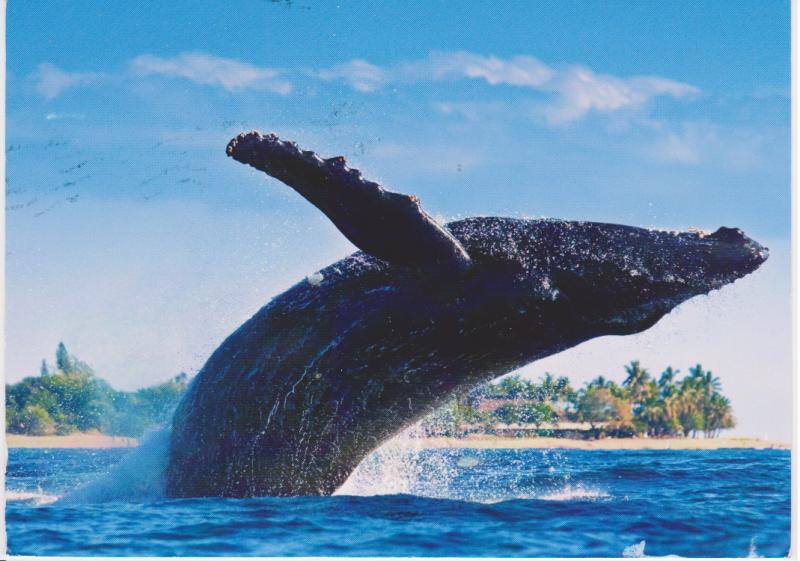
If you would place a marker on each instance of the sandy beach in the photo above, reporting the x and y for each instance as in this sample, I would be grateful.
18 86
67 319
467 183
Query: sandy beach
96 440
605 443
76 440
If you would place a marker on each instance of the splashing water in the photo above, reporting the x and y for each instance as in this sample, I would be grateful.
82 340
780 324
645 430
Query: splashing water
635 550
140 476
403 465
399 467
751 552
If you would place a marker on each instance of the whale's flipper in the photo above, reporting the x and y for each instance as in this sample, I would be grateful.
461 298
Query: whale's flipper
390 226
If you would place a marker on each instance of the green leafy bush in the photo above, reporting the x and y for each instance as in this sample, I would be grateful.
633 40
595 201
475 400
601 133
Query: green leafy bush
71 398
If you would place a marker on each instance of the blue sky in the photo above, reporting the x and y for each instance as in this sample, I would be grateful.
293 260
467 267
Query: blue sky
134 239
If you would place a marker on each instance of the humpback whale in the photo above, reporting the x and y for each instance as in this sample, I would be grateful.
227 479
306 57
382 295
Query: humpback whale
296 397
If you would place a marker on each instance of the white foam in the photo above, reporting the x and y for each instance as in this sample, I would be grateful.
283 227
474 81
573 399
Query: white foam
468 462
37 498
635 550
574 493
139 477
751 552
394 468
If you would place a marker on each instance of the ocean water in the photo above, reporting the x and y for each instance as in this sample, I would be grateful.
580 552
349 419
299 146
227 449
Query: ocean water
405 501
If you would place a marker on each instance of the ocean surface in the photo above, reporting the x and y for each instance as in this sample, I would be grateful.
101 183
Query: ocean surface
404 501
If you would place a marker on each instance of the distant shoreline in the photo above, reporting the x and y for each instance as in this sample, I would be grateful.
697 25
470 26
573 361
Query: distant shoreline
605 443
75 440
96 440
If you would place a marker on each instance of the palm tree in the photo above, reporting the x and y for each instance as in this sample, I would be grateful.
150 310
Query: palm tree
547 388
564 390
668 393
636 381
672 404
667 381
689 405
651 411
719 416
706 380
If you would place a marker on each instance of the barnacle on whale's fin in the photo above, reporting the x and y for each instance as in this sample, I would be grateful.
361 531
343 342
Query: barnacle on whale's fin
390 226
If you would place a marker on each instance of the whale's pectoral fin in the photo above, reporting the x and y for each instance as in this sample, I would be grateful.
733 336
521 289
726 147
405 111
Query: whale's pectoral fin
390 226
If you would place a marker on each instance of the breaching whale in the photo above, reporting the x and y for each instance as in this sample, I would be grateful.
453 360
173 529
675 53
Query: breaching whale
294 399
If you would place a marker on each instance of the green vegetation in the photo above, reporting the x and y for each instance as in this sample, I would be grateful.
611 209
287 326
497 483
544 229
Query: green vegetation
69 397
641 406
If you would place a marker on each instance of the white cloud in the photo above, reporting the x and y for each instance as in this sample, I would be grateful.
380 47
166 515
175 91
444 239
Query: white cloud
523 71
565 95
359 74
517 71
205 69
575 91
61 116
51 80
579 91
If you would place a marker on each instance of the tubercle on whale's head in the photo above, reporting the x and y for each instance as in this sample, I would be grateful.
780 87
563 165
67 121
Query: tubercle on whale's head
617 277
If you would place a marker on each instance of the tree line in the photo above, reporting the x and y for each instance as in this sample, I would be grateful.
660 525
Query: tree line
67 397
641 405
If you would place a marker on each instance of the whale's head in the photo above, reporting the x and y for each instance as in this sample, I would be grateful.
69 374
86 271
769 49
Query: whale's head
613 279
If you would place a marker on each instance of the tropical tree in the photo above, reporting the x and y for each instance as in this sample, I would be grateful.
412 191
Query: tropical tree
600 381
527 413
64 401
34 420
705 380
659 408
666 382
510 387
690 408
636 380
63 358
601 404
650 414
719 415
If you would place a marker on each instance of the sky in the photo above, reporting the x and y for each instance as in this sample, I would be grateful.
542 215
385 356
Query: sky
136 241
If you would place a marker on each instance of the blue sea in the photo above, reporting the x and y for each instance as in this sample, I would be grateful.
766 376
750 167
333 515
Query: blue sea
418 502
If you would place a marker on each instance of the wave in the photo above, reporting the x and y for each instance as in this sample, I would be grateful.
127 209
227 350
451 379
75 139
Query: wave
37 498
752 552
574 493
568 493
635 550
